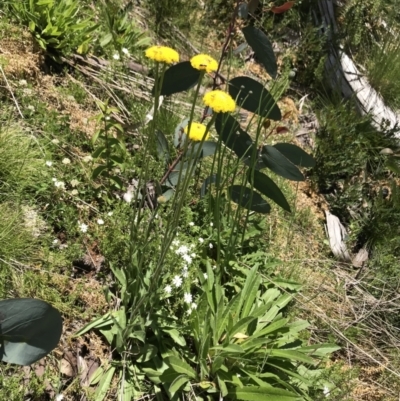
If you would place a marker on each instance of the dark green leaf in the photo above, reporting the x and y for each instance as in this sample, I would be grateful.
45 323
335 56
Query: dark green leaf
98 170
98 152
267 187
180 366
252 96
243 11
280 165
233 136
262 47
162 146
248 199
147 352
178 78
178 383
209 180
254 393
295 154
117 181
29 330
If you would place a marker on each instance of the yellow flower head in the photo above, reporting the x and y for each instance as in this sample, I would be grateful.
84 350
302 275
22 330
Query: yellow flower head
219 101
204 62
162 54
196 131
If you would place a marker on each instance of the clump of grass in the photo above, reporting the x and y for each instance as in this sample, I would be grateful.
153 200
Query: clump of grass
21 160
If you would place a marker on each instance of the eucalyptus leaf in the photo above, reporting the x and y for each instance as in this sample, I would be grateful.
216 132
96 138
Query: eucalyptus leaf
295 154
29 330
212 179
162 146
279 164
267 187
248 199
262 47
178 78
254 97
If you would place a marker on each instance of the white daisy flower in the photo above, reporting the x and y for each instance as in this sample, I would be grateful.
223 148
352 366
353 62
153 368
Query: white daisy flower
110 214
187 297
211 245
100 222
187 259
205 275
59 184
168 289
191 224
194 306
49 163
66 160
116 56
201 240
177 281
83 227
182 250
125 51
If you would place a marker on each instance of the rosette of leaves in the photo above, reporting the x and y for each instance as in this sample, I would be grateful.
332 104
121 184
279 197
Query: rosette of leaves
56 25
241 347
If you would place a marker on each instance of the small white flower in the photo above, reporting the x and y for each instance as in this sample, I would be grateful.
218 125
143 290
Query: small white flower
191 224
74 183
185 273
326 391
182 250
54 179
211 245
116 56
189 311
55 241
110 214
188 297
22 82
201 240
128 196
100 222
74 192
187 259
87 159
55 141
168 289
27 91
238 374
177 281
59 184
205 275
49 163
194 306
125 51
31 108
83 227
108 118
211 224
66 160
193 255
59 397
175 242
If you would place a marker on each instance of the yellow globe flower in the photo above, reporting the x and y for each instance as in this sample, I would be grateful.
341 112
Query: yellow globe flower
162 54
219 101
196 131
204 62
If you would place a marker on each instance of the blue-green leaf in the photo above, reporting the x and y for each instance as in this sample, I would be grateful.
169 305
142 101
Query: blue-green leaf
295 154
248 199
252 96
262 47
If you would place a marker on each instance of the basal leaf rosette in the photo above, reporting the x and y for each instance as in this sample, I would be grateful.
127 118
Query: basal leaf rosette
204 62
162 54
197 132
219 101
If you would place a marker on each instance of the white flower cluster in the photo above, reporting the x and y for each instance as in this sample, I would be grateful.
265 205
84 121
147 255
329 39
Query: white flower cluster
58 184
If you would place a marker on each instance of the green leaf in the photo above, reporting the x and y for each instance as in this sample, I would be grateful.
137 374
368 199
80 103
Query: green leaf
105 40
162 146
102 321
119 274
29 330
262 47
255 393
104 384
230 310
178 383
222 387
98 152
175 335
280 165
233 136
252 96
267 187
180 366
249 291
295 154
291 355
209 180
229 349
178 78
117 181
320 350
241 324
208 148
98 170
147 352
248 199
